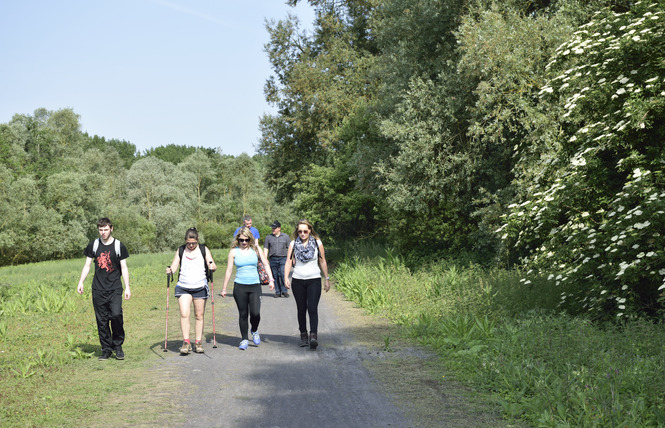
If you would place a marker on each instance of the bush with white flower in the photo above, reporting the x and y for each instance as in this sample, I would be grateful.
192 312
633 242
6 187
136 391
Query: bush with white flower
592 214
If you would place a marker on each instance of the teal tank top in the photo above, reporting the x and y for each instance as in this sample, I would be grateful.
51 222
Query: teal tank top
245 262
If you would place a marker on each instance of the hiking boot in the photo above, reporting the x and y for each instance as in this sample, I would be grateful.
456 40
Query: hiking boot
119 353
256 338
198 347
243 345
105 355
313 343
303 340
185 348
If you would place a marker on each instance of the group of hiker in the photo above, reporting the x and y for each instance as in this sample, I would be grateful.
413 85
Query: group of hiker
295 264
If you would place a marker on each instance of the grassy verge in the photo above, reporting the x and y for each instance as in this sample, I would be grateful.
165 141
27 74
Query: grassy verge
506 338
49 372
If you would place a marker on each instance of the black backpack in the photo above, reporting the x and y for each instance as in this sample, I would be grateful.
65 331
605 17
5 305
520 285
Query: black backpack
181 251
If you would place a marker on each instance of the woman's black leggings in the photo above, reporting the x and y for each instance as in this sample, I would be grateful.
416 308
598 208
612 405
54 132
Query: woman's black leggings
307 293
248 300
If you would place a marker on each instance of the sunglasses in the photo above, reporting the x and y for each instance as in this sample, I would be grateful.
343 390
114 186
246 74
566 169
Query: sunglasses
303 231
243 240
191 243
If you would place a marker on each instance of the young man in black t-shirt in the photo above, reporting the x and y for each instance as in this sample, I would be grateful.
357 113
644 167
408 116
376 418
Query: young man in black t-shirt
107 288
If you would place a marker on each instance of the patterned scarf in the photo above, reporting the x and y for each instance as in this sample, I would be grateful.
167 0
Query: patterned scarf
305 254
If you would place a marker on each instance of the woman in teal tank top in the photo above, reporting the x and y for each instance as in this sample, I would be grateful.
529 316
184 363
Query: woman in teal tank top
246 287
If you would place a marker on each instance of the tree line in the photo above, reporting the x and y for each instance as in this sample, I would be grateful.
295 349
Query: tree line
56 181
528 133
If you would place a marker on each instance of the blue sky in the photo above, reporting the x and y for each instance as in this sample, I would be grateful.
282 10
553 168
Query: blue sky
151 72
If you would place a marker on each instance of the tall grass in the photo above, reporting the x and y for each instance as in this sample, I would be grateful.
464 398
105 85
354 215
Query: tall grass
510 339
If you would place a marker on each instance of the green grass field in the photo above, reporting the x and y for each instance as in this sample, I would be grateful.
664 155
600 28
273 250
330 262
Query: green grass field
49 348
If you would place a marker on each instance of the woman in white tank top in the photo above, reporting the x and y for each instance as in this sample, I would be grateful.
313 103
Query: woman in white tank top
307 258
192 286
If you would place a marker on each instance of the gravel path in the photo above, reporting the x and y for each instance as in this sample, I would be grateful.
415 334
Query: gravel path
279 384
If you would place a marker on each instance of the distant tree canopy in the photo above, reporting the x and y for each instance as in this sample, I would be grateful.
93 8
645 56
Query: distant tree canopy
524 132
55 182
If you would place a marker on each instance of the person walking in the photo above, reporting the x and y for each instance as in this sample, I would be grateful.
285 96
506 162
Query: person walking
195 261
247 222
309 260
276 246
245 255
110 258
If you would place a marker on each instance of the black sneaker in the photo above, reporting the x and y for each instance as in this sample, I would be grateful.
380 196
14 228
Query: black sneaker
119 353
105 355
277 295
285 294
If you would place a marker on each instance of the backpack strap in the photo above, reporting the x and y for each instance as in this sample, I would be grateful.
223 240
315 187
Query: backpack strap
205 262
116 247
202 247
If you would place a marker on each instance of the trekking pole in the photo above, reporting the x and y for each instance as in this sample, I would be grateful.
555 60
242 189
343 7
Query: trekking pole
212 301
169 277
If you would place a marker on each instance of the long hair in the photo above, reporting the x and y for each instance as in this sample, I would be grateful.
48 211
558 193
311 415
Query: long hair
244 230
306 222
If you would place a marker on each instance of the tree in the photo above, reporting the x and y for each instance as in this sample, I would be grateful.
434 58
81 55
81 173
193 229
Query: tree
591 212
164 195
200 165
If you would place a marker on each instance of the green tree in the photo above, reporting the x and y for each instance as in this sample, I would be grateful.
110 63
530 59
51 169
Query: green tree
200 165
175 153
591 210
318 82
125 149
165 196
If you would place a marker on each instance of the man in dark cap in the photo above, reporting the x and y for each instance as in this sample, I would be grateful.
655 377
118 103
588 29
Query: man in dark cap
276 246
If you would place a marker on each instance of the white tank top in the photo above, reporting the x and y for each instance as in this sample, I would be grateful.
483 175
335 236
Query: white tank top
192 270
309 270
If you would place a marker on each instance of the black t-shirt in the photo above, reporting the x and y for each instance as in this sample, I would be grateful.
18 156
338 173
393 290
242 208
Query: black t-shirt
108 275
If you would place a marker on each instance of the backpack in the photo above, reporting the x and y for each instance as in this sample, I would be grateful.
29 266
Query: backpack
181 251
116 247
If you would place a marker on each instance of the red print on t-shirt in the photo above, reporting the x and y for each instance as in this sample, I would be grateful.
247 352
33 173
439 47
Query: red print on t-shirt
104 261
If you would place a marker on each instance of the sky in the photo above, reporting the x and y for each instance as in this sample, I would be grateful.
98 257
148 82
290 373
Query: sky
151 72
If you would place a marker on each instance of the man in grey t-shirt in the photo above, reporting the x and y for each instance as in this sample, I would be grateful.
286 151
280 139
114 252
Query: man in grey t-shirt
276 246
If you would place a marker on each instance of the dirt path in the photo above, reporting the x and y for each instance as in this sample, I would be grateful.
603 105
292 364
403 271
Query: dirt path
349 381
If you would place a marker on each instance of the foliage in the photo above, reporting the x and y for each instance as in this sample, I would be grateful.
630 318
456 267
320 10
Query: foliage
593 212
500 335
176 154
428 183
57 181
322 92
